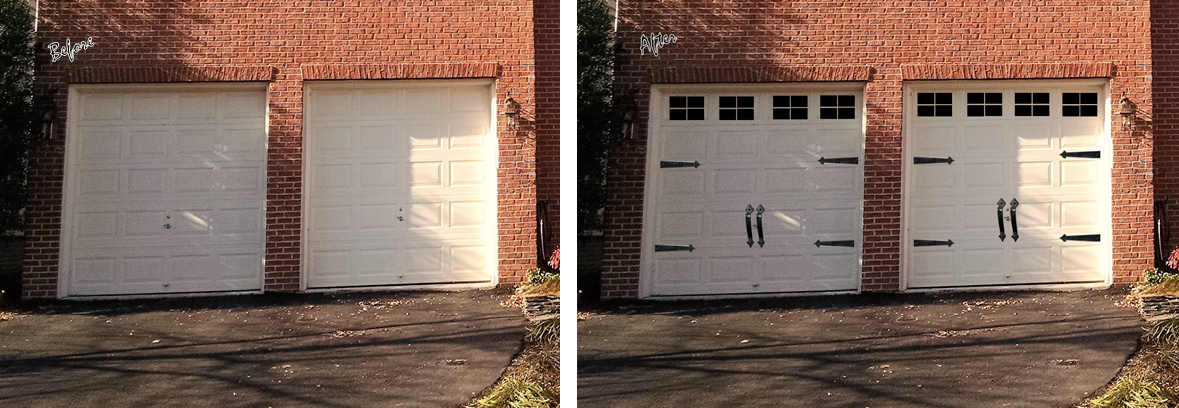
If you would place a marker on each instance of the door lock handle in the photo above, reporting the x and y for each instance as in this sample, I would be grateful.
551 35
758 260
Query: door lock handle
749 224
1014 221
999 212
761 242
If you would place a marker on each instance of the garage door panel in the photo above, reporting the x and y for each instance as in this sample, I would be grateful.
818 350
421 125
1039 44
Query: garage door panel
1031 175
729 269
1080 214
984 139
1080 135
414 181
734 182
1076 173
1033 137
683 183
735 144
936 139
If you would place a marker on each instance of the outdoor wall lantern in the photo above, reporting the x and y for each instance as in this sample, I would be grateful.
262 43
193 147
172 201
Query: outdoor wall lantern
512 111
48 115
1126 110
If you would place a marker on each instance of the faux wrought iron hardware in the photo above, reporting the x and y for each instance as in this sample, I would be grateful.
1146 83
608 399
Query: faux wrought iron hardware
673 164
1096 154
749 224
926 242
840 160
1088 238
1014 221
849 243
999 211
932 160
761 242
672 248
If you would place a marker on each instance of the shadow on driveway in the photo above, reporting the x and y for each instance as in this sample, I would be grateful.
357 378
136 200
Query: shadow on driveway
431 349
983 349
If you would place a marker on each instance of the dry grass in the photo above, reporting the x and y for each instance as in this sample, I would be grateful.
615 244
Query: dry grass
1169 286
532 380
550 287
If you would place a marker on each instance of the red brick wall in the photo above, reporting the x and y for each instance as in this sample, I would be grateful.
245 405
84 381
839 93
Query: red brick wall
1164 22
187 40
774 40
548 110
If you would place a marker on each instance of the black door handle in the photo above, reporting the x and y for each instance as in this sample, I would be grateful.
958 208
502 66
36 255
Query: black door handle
1014 221
761 242
749 224
999 211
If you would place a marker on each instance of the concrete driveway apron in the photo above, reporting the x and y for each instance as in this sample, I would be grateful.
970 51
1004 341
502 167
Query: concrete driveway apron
998 349
404 349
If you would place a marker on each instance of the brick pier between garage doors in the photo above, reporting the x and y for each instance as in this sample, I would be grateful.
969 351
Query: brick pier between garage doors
354 155
807 148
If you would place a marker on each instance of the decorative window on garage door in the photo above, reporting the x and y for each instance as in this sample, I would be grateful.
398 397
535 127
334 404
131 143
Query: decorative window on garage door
686 108
736 108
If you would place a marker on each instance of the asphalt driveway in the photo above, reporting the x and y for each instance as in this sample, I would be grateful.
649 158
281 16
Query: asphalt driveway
400 349
999 349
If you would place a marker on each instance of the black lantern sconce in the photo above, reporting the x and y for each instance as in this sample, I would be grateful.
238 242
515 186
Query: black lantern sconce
48 115
1127 109
512 111
628 106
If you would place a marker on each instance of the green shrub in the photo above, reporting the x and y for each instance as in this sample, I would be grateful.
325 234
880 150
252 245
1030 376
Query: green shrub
1156 276
539 276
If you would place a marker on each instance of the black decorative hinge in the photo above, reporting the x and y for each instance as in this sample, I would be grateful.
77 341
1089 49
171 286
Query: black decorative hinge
932 160
670 248
849 243
1088 238
673 164
1085 155
840 160
926 242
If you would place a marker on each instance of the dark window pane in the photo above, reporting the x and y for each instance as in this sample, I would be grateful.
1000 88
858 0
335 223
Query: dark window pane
695 101
1023 110
974 110
828 113
1040 97
781 101
847 100
974 98
798 101
678 102
744 114
1040 110
728 102
1088 110
828 100
945 99
847 113
1070 98
1089 98
925 99
695 114
744 101
994 98
1070 110
678 114
994 110
798 113
1022 97
781 114
728 114
925 110
945 110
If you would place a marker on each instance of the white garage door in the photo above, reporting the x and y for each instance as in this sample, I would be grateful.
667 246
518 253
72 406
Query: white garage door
400 183
165 189
753 189
1025 199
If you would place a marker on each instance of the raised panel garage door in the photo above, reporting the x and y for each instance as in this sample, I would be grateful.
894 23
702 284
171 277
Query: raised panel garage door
401 185
165 189
753 189
1025 199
